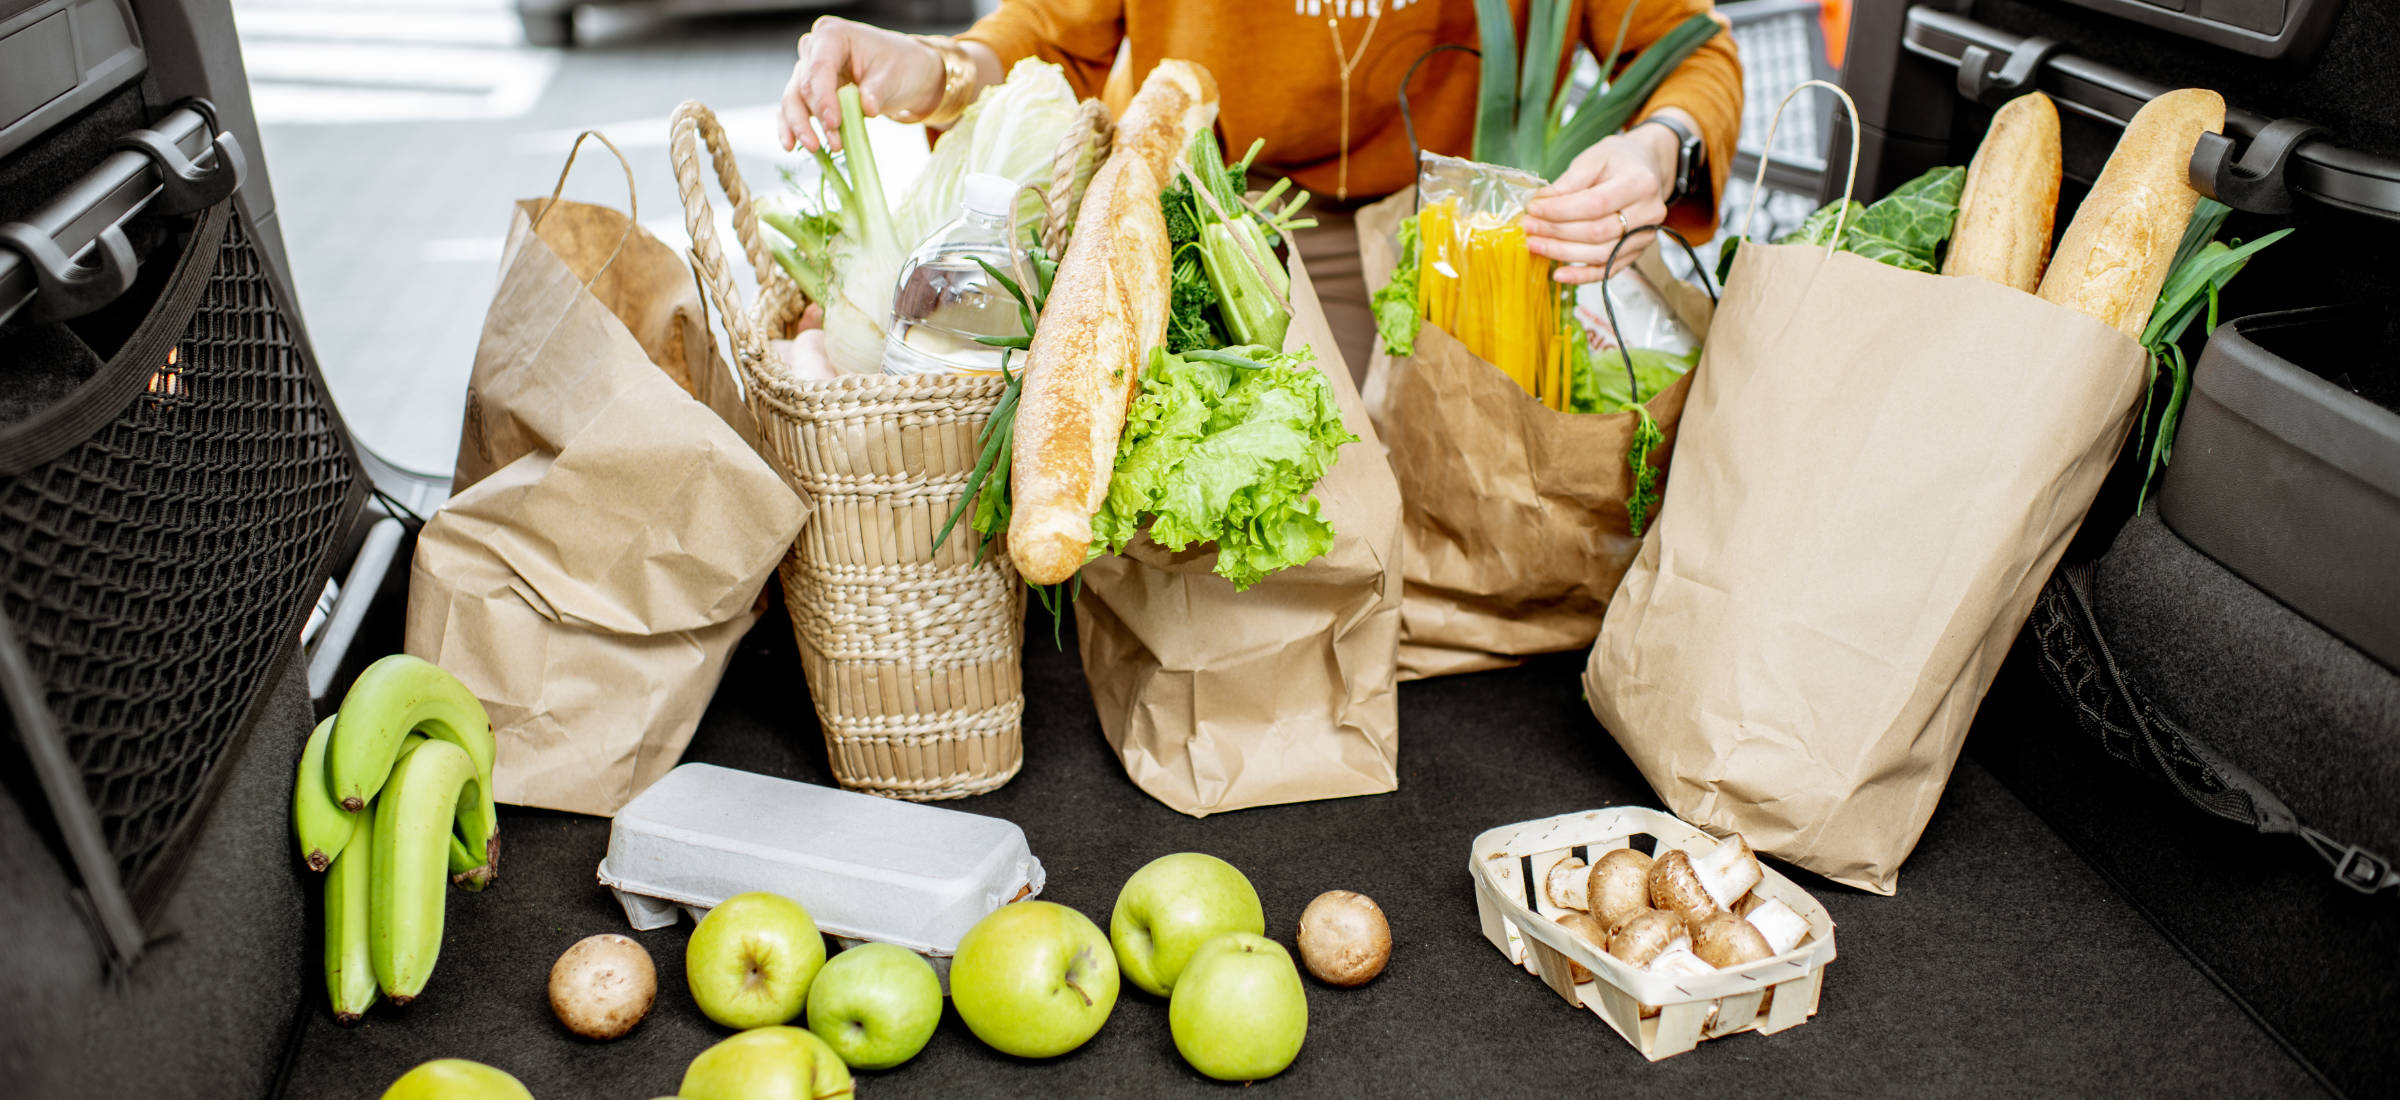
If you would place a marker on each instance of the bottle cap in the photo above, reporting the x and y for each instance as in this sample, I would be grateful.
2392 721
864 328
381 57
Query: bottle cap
988 194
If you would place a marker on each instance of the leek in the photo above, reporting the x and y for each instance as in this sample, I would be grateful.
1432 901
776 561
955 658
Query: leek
1523 117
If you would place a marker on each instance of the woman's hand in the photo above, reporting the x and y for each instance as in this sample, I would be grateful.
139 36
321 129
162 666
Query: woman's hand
1619 184
895 74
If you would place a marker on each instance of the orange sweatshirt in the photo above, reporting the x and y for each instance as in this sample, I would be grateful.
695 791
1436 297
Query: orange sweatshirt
1279 74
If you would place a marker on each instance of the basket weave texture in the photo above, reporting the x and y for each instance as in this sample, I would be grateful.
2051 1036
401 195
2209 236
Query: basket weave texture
912 654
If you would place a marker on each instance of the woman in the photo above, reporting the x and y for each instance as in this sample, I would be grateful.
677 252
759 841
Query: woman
1320 81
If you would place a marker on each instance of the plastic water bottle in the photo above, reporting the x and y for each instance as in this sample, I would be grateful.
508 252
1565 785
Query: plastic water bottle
945 299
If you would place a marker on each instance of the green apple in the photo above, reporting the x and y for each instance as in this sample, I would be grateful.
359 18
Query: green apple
1034 979
456 1079
751 960
1172 906
875 1005
766 1063
1239 1012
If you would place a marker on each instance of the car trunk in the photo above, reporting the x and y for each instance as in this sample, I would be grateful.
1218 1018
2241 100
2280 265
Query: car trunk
2067 924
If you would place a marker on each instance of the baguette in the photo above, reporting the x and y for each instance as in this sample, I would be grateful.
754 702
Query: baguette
2006 209
1107 308
1178 99
2114 257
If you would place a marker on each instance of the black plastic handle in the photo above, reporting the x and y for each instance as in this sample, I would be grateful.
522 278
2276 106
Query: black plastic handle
41 276
185 184
1633 385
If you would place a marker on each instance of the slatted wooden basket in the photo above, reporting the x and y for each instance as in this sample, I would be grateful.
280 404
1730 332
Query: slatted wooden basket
912 653
1509 865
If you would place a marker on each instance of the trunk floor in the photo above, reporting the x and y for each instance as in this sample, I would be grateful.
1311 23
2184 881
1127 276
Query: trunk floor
2005 965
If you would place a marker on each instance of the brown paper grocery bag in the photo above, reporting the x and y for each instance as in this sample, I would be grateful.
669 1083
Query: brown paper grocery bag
1222 700
1513 513
1877 470
612 527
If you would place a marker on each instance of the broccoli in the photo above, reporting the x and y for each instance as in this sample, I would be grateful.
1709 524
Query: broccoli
1188 304
1183 217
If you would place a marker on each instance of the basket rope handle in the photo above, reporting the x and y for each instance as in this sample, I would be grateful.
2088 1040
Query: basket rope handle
1091 132
692 126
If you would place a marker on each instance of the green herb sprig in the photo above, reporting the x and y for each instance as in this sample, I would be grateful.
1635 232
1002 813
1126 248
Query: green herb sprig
2202 267
987 488
1642 503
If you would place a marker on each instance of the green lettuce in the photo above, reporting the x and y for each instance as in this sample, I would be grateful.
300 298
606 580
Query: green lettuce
1596 380
1596 383
1397 313
1817 229
1223 447
1905 229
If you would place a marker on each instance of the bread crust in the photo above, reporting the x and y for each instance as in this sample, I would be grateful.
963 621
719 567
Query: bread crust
2114 257
1178 99
2007 208
1107 308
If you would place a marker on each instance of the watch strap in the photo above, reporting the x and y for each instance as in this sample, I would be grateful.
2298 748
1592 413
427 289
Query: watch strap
1688 154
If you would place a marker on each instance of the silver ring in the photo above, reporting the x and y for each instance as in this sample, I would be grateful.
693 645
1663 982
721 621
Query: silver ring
1624 228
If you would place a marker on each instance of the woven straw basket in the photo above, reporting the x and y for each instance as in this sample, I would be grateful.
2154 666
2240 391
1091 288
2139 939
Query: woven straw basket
912 653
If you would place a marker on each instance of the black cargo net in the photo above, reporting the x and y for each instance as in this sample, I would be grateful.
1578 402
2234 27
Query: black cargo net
2115 713
156 570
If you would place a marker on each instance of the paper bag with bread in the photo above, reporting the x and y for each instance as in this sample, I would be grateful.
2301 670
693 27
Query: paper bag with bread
1885 450
1188 459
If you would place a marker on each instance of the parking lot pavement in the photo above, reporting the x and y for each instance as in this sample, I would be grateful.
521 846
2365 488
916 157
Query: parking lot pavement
400 132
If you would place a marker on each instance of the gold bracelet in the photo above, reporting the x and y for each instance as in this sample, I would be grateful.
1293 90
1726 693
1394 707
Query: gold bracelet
958 81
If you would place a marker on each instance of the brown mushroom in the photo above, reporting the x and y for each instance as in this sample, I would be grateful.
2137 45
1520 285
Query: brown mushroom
1728 870
1586 928
1565 886
1645 936
1782 925
1729 941
1676 888
1344 938
1618 889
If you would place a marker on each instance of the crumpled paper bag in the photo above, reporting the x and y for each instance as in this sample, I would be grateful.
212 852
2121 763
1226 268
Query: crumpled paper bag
1878 470
1220 700
612 526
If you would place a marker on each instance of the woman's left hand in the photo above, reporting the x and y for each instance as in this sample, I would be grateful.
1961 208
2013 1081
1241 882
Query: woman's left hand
1620 184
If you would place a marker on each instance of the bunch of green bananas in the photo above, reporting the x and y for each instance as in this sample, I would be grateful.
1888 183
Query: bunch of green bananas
393 798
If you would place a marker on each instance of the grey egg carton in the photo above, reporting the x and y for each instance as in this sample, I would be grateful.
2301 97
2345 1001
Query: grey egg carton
866 868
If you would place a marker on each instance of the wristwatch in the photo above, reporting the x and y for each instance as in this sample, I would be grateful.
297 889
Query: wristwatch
1691 157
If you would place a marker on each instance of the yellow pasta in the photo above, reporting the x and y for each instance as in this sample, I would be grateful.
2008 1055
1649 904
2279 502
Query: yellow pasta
1477 281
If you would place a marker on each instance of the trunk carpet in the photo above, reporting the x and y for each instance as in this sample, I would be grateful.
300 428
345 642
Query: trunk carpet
2005 966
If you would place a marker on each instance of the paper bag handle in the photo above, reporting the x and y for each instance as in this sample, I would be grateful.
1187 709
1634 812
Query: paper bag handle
1758 183
632 202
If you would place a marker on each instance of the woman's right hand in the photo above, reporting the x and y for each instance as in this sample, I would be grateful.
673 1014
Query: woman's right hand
895 74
